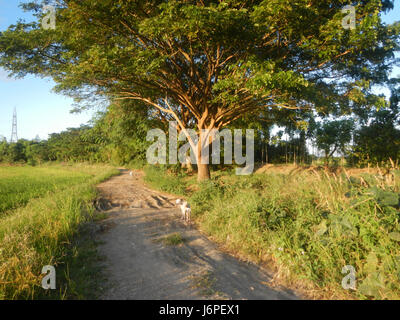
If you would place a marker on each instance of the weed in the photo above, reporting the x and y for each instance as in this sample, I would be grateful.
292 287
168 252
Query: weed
174 239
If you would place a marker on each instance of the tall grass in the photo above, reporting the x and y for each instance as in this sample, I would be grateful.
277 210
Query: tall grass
173 183
41 234
308 226
18 185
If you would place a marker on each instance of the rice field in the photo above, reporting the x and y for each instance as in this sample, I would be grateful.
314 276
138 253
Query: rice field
20 184
43 209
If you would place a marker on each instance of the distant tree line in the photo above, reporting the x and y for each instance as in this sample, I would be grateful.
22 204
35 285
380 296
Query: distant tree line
371 138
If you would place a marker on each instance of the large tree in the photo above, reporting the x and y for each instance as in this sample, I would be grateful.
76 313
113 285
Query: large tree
378 140
334 136
207 63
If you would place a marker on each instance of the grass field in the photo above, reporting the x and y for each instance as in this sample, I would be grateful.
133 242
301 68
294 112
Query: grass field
53 203
307 224
18 185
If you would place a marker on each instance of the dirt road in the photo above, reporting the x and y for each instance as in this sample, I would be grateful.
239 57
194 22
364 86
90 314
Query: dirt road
143 261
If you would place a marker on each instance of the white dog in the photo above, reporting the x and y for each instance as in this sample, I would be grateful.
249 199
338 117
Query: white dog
185 209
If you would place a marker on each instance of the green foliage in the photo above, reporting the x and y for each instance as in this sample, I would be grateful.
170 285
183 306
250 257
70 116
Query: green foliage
378 139
121 139
311 226
208 190
384 198
332 136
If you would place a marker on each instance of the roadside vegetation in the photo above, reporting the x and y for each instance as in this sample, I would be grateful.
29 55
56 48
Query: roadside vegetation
44 232
306 224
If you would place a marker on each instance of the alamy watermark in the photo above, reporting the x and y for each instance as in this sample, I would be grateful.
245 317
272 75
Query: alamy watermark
49 280
157 152
349 281
49 20
349 21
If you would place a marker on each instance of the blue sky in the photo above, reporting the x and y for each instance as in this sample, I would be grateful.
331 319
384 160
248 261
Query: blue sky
40 111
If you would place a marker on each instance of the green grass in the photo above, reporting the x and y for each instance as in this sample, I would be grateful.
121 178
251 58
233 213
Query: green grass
174 239
45 232
18 185
308 226
155 177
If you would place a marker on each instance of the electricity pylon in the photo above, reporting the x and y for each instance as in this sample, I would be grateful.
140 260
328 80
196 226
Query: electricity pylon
14 134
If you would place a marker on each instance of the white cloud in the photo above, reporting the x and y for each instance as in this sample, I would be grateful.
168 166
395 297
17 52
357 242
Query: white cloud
4 76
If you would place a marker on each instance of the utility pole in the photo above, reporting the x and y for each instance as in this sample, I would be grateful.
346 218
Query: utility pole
14 134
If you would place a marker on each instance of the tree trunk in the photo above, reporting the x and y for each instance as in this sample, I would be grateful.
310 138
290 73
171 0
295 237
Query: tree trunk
326 158
203 169
294 156
203 172
262 152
